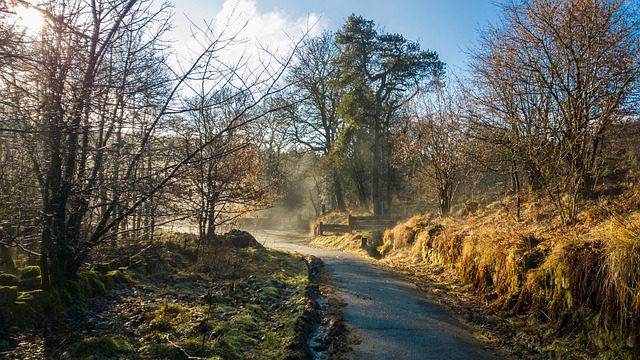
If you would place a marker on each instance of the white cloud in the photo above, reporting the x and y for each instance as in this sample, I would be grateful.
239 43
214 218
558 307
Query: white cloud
255 31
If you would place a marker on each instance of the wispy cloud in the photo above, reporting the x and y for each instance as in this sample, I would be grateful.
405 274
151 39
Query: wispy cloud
248 35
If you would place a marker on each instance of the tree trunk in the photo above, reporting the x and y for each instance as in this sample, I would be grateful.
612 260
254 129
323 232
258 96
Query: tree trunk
375 180
339 196
445 201
6 260
536 180
375 176
515 179
44 270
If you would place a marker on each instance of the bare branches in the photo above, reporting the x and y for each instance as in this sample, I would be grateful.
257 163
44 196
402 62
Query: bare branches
552 78
96 102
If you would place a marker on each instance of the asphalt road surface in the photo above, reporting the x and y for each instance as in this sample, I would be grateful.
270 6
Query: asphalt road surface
390 318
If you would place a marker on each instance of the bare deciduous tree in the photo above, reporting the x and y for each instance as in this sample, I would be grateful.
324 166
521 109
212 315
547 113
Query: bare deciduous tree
433 142
316 95
552 77
94 100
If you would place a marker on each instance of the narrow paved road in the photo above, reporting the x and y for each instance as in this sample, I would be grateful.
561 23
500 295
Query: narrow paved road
391 317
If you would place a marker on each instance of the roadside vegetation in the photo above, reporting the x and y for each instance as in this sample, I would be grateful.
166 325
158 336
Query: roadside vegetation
234 302
534 287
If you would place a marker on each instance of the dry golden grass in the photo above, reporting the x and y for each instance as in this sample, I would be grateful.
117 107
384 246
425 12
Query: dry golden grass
582 281
585 279
347 242
397 238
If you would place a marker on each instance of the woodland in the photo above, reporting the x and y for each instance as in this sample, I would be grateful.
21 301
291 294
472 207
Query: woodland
520 177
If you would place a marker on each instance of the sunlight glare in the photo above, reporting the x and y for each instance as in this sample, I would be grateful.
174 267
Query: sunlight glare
29 18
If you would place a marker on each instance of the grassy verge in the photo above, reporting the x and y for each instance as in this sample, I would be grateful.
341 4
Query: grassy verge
171 302
536 287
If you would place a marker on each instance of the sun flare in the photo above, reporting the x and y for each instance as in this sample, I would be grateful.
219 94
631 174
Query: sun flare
29 18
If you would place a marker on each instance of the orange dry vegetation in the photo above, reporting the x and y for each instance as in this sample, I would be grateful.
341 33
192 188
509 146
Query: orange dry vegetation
585 278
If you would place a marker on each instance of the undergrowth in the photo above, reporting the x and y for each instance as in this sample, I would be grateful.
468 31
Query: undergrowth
169 300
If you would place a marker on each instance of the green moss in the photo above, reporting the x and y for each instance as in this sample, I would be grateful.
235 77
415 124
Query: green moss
102 348
21 313
117 276
194 346
93 283
8 280
272 341
8 294
256 311
226 349
268 292
245 323
75 290
29 272
34 298
162 350
167 316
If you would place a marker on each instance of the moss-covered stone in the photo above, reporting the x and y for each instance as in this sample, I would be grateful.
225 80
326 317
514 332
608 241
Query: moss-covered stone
240 239
30 284
8 280
38 299
29 272
117 276
8 294
93 282
75 290
21 313
65 296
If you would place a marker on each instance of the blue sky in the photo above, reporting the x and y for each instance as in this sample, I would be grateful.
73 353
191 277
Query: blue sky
448 27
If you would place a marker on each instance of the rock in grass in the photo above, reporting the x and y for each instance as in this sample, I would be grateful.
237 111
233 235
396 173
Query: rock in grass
8 294
8 280
240 239
29 272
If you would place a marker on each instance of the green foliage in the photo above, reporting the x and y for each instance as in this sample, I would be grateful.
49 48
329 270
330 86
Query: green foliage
8 280
380 71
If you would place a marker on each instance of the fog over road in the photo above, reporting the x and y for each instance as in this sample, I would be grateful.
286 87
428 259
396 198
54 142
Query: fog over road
389 316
